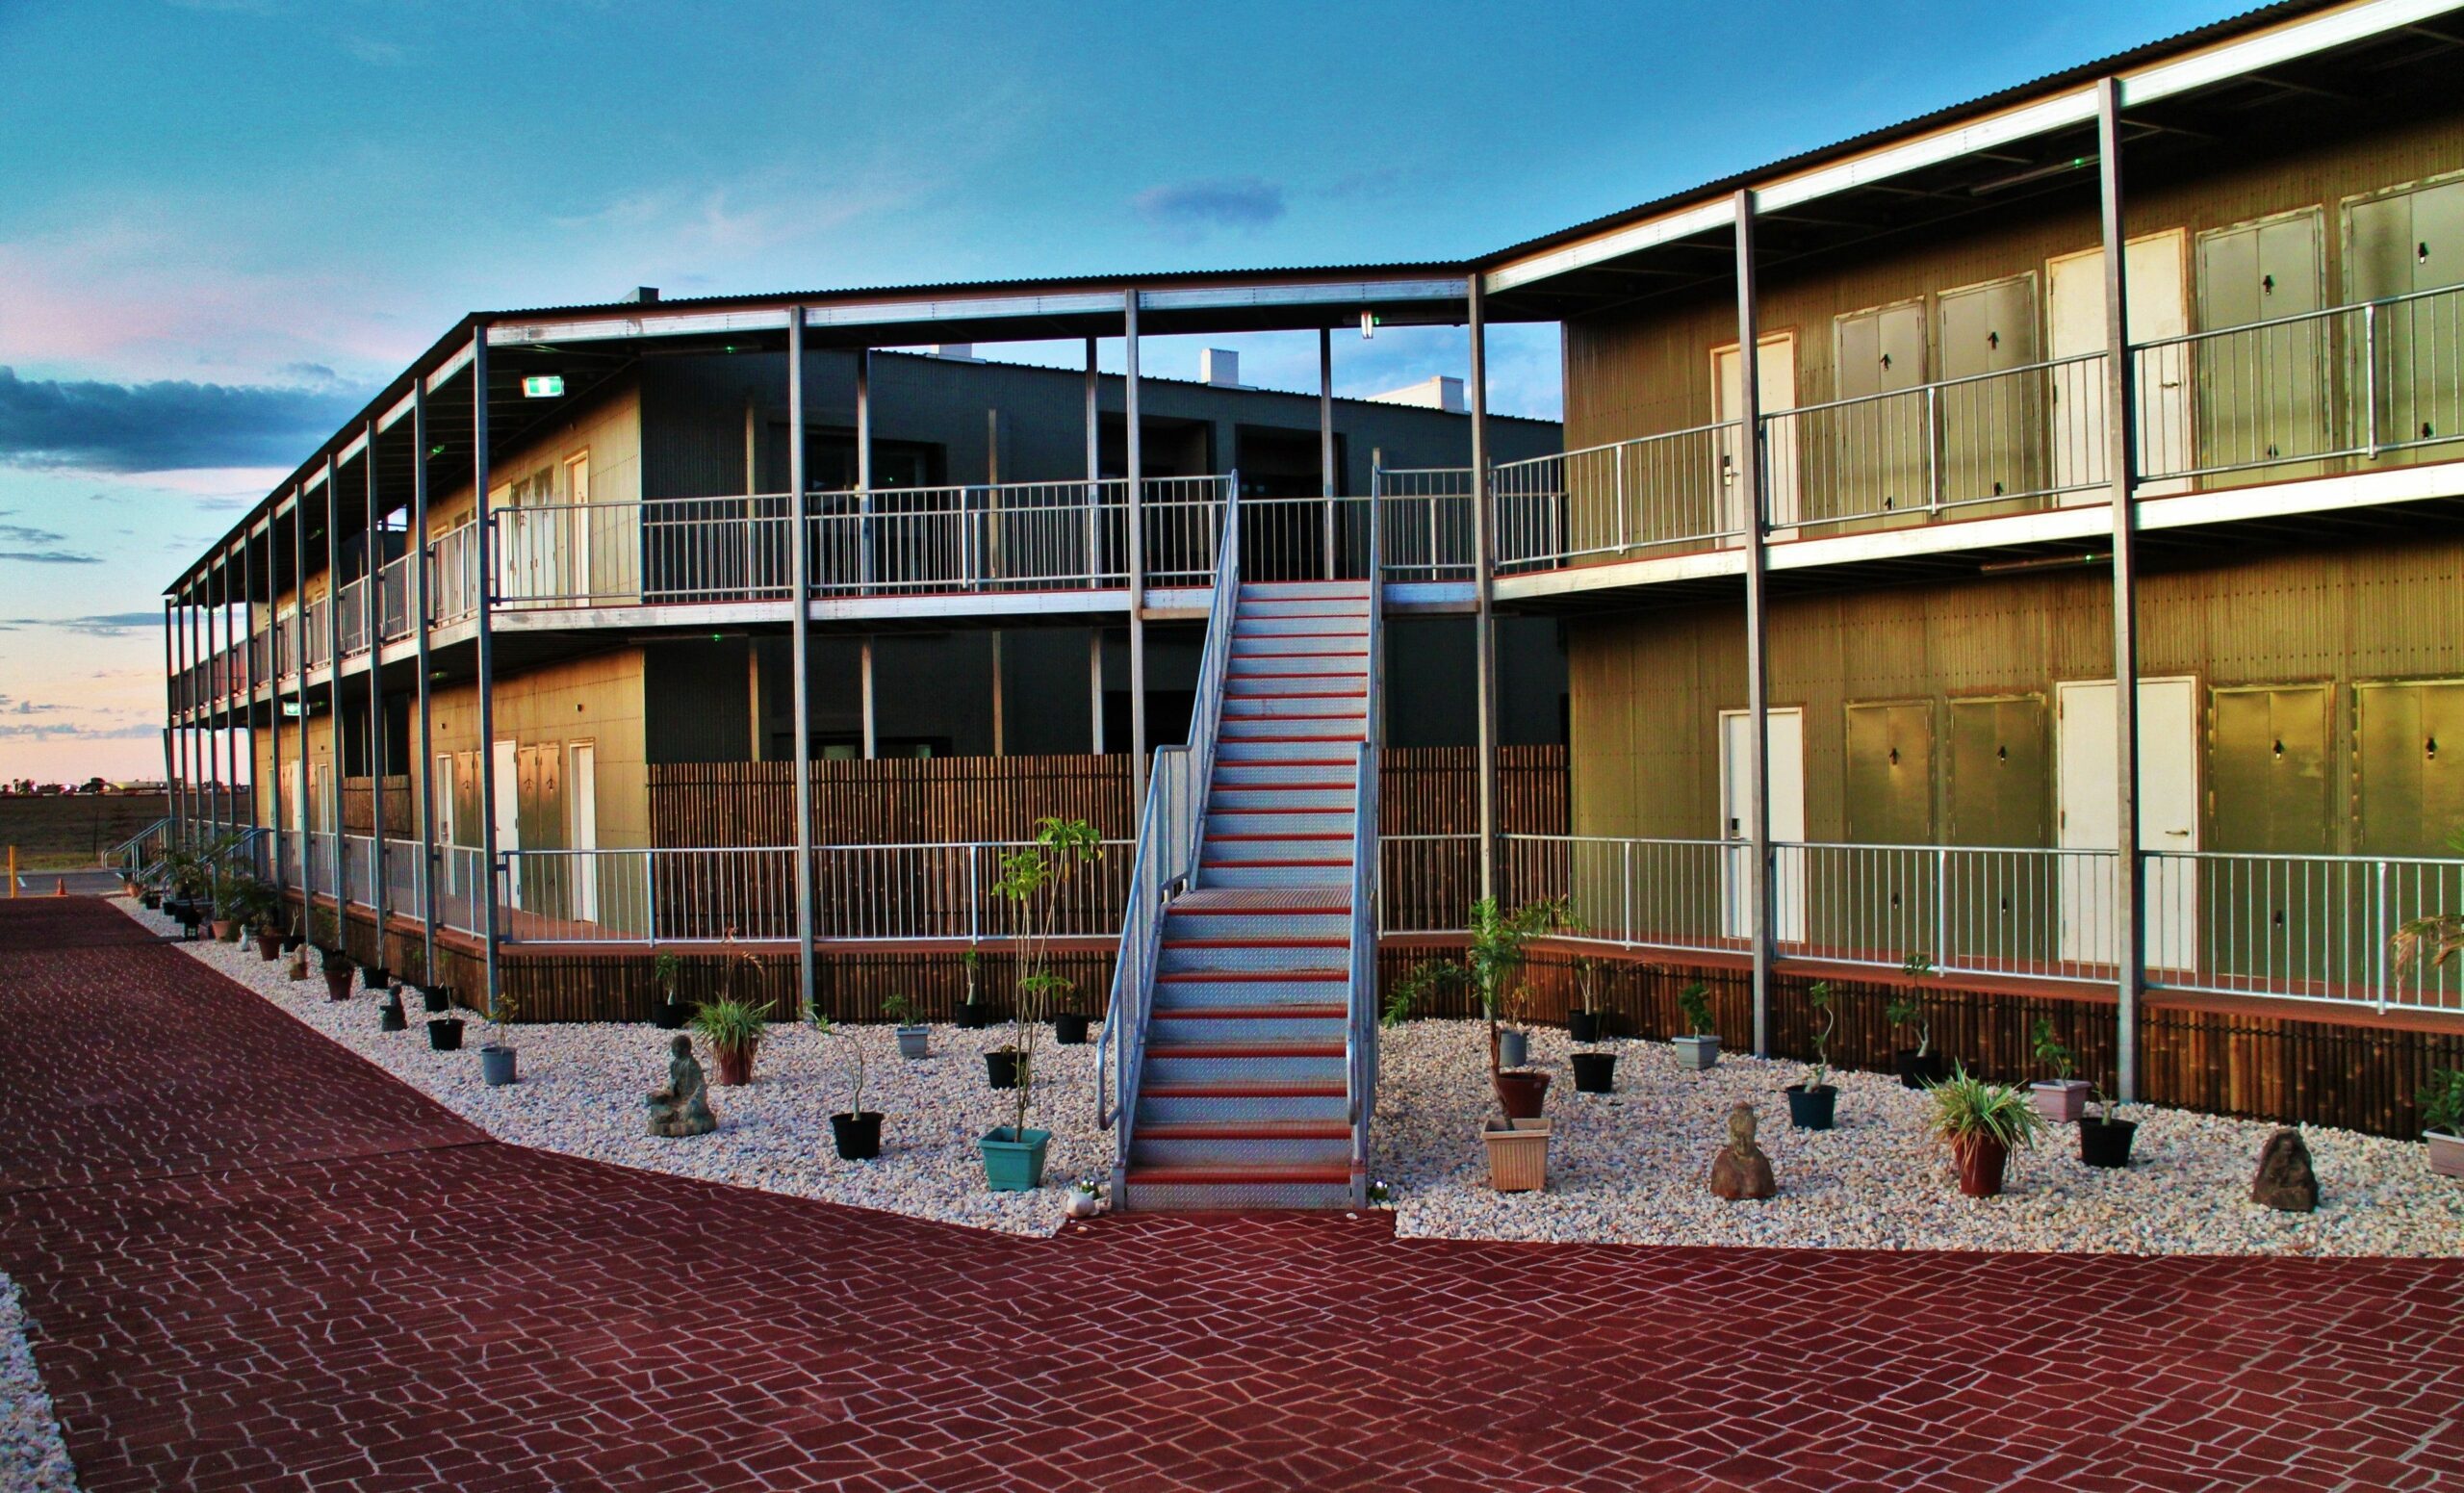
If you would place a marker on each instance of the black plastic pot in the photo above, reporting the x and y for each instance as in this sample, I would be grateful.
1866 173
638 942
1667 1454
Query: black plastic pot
1915 1072
1810 1109
372 976
1584 1027
1070 1029
670 1016
974 1016
437 998
153 900
1002 1068
859 1137
445 1034
1595 1073
390 1017
2106 1143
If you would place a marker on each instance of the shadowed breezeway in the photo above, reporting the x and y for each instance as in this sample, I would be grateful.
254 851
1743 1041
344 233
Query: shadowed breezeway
253 1261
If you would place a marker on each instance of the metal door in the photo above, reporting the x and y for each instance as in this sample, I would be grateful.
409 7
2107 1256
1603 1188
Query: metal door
2262 391
1992 427
1784 744
1881 451
2410 751
2085 816
2400 243
2268 919
1995 794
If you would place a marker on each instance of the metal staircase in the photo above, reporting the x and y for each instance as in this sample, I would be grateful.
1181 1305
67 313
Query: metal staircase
1248 1064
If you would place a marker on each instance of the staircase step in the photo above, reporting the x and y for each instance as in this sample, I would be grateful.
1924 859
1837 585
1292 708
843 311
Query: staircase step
1174 1147
1298 645
1235 1189
1285 590
1292 727
1279 874
1247 1025
1300 626
1318 751
1351 708
1353 667
1311 924
1204 1065
1280 819
1266 607
1210 1000
1240 1103
1242 956
1235 798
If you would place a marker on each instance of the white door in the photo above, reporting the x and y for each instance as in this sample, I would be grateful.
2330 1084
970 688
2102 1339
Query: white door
578 546
507 810
450 862
2169 802
582 826
1774 365
2075 327
1785 738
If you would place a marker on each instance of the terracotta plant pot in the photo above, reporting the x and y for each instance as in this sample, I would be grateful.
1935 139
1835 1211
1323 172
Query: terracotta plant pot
734 1065
2060 1100
2106 1143
1595 1073
1584 1025
1518 1154
1811 1109
859 1136
2446 1152
224 929
268 945
1981 1159
1918 1072
338 984
1521 1095
1070 1029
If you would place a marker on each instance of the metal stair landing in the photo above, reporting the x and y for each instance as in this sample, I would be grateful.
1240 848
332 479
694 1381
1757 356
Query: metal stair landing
1243 1098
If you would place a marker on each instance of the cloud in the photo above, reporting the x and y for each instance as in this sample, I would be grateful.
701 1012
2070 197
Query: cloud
38 731
99 624
165 426
1188 208
50 558
19 533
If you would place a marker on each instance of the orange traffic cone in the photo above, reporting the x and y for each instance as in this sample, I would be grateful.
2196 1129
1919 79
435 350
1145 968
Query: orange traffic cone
60 886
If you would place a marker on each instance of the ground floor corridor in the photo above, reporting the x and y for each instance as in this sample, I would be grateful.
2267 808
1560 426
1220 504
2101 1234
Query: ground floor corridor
252 1260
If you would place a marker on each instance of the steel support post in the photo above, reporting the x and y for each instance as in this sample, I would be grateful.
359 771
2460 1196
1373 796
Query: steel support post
1095 481
248 668
274 705
484 646
171 807
372 613
799 652
2130 943
1326 444
334 690
211 622
1136 473
1758 603
299 698
1484 622
864 491
422 604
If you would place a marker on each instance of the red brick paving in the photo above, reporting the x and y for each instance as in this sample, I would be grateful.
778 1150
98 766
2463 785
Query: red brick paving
234 1311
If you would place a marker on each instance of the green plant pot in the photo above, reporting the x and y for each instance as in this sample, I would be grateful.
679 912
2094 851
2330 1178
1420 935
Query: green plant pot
1011 1165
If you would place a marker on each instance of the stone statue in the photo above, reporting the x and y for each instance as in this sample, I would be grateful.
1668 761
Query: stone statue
2286 1180
1741 1171
684 1107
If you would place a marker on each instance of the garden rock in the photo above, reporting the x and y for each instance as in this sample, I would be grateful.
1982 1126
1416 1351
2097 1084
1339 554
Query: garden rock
684 1107
2286 1180
1741 1171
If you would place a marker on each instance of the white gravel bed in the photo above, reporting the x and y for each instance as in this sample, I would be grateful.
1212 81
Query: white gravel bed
584 1083
32 1458
1631 1167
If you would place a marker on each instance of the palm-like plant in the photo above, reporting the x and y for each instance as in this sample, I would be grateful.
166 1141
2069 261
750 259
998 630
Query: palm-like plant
1967 1109
1032 880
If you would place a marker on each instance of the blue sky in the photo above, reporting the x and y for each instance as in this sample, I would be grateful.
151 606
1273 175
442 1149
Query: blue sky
223 221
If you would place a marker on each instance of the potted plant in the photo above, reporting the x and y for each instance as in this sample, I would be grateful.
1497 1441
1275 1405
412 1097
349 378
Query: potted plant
2442 1107
1583 1025
1595 1072
1493 957
1981 1123
436 999
292 939
973 1014
914 1037
445 1034
733 1026
1518 1153
373 976
497 1054
1702 1049
224 905
1513 1034
1919 1066
672 1013
269 938
2062 1098
1813 1098
1069 1028
2104 1136
857 1131
337 968
1033 878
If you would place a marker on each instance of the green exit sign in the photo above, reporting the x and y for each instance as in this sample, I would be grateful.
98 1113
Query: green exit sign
543 386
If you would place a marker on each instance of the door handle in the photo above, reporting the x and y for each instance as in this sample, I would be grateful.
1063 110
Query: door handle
2183 833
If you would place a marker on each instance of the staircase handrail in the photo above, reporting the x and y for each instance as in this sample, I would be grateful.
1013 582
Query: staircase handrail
130 853
1360 1029
1168 843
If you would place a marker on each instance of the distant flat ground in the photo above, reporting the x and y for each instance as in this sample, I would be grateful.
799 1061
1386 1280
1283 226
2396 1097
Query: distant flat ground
66 834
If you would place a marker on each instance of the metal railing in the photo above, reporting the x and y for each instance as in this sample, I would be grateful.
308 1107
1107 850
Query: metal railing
1662 894
2315 927
1165 863
1425 521
1614 500
1360 1030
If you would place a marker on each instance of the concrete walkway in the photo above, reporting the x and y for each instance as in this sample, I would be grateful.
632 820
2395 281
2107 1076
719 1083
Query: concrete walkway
257 1262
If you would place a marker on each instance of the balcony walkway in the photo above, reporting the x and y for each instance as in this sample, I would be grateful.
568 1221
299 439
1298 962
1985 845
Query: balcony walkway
255 1262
